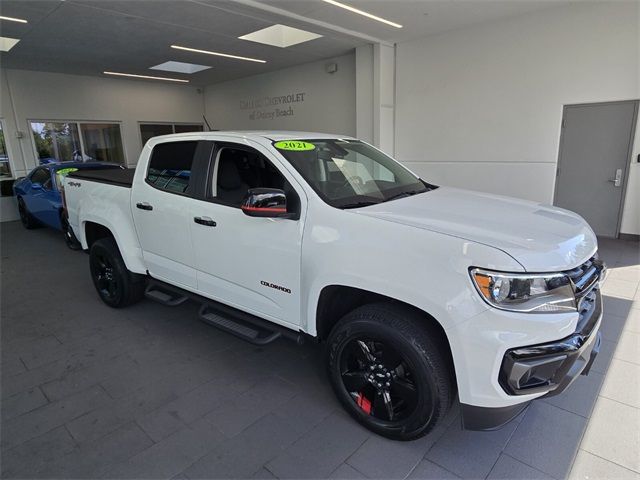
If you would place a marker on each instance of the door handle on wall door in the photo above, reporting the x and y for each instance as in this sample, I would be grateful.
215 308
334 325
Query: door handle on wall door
617 181
144 206
206 221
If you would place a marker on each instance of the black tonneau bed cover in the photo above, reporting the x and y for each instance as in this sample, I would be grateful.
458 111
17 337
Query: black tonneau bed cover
112 176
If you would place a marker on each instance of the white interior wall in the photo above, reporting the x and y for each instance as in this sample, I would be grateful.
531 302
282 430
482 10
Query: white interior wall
328 105
28 95
481 107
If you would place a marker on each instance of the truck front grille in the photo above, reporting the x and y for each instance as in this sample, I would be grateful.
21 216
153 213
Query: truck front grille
585 280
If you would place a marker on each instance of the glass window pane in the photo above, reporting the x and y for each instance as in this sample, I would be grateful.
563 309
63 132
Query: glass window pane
150 130
5 168
102 142
170 166
182 128
56 141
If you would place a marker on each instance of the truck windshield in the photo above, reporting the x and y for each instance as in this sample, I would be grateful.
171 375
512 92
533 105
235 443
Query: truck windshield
350 173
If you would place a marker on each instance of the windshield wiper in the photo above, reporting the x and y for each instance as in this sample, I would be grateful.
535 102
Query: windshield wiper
405 194
358 204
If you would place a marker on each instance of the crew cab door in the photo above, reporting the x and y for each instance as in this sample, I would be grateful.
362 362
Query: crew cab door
161 204
246 262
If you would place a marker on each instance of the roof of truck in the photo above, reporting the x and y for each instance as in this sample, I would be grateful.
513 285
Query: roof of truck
275 135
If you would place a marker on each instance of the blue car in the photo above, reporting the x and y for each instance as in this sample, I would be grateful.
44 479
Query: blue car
39 196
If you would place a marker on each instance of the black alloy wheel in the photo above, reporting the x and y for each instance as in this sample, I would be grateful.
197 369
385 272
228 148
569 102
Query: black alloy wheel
379 379
117 286
391 370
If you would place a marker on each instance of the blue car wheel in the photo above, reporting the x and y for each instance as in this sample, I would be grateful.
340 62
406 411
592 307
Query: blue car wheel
25 217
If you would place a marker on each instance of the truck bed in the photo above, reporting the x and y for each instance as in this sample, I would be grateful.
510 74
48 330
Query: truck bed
111 176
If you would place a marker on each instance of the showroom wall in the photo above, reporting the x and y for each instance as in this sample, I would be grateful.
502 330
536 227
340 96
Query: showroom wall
28 95
481 107
304 97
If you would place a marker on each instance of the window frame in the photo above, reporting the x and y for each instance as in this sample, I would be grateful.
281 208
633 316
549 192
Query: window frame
11 175
212 171
79 124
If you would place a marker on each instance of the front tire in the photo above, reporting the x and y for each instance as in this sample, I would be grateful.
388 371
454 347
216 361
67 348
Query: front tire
117 286
389 371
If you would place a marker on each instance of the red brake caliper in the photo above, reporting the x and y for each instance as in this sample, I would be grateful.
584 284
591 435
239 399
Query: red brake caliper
364 403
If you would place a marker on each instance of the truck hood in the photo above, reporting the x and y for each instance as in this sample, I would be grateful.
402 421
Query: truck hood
541 238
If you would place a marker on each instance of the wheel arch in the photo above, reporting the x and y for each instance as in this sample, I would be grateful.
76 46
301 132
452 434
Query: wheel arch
335 301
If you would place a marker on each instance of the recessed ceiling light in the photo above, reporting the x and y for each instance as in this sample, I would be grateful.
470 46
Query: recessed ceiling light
363 13
12 19
280 36
7 43
146 76
218 54
180 67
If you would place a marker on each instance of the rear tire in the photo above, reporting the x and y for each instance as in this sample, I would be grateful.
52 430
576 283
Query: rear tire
389 371
28 221
117 286
69 237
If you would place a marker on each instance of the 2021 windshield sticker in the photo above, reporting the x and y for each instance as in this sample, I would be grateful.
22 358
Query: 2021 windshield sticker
295 146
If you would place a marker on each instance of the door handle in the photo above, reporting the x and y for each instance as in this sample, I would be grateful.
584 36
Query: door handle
144 206
617 180
205 221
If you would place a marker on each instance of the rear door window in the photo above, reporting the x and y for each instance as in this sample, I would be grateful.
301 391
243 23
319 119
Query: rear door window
170 166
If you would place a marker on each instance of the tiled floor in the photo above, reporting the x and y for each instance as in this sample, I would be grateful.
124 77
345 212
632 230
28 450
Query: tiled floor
151 392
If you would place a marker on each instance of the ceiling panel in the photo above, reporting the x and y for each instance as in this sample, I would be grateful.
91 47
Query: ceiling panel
89 36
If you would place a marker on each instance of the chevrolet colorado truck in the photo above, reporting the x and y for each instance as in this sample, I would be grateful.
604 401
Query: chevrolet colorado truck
419 292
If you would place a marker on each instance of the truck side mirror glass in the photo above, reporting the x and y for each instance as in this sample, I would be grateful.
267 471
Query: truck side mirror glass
265 202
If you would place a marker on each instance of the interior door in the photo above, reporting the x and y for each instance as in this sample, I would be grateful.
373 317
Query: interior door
250 263
161 210
594 157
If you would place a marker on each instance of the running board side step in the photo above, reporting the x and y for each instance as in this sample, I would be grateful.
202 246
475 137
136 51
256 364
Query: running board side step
244 325
165 295
235 326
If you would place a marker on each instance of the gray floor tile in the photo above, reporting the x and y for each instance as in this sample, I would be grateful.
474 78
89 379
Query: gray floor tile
547 439
170 456
431 471
628 347
470 454
623 383
590 467
246 453
509 468
398 460
346 472
581 396
22 403
31 457
322 450
614 433
237 414
51 415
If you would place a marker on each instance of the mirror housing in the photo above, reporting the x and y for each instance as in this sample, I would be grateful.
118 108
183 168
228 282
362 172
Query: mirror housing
266 203
36 186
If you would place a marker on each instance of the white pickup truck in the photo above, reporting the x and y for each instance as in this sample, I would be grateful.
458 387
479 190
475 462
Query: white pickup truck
419 292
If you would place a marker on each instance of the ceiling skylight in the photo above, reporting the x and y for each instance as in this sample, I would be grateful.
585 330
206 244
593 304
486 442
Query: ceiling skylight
280 36
180 67
7 43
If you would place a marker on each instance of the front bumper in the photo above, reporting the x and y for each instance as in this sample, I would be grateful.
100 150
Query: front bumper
544 369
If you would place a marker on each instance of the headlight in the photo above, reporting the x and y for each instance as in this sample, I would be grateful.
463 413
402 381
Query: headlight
535 293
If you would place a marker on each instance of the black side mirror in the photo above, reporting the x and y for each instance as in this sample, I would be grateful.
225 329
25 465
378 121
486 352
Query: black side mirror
266 202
